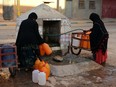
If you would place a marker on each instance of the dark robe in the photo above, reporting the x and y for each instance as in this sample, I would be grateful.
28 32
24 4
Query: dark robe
27 42
98 38
28 33
98 34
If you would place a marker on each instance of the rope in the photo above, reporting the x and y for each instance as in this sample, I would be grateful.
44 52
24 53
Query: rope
62 33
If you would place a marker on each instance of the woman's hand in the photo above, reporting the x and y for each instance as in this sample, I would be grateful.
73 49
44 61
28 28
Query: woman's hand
84 31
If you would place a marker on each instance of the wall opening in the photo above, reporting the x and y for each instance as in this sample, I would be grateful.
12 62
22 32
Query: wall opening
51 32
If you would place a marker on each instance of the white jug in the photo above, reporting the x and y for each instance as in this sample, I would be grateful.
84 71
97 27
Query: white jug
42 78
35 75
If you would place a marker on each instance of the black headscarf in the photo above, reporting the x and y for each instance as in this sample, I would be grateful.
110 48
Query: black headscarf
32 16
96 19
98 34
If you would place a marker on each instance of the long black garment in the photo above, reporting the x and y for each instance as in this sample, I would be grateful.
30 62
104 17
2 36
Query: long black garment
28 33
99 35
27 42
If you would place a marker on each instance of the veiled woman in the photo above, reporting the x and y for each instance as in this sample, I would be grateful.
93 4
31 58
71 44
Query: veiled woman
27 41
98 39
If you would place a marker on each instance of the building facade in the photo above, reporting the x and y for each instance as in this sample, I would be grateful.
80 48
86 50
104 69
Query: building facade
76 9
81 9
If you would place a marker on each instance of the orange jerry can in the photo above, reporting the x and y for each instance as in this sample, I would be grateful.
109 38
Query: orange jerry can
85 42
46 48
42 52
45 68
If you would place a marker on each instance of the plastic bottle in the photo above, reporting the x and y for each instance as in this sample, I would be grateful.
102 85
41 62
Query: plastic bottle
42 78
35 75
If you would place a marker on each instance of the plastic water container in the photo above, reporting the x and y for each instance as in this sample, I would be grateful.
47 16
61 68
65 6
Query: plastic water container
7 49
46 48
42 78
35 75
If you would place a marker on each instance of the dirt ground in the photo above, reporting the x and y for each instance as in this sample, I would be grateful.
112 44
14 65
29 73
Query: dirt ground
104 77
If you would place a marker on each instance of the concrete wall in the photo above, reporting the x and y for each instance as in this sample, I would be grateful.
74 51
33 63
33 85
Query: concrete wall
83 13
68 9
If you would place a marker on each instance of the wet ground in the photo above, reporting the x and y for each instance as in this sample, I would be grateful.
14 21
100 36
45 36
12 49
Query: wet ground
104 77
68 58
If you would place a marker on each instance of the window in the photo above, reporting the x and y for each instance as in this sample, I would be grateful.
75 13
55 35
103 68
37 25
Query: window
81 4
91 4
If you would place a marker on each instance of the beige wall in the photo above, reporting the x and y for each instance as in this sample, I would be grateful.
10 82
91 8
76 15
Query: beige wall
77 13
84 13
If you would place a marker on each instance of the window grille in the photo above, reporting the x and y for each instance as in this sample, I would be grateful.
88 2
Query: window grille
91 4
81 4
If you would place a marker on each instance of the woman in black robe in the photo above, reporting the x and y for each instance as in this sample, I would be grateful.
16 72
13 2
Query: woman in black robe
27 42
98 39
